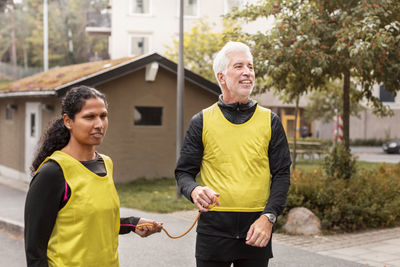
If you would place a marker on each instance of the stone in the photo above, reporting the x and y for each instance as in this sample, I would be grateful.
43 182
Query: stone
302 221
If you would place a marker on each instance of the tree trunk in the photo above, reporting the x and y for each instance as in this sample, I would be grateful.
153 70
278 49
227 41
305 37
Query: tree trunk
295 133
346 109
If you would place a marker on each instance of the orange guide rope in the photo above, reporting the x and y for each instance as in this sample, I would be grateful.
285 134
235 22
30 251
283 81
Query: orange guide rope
187 231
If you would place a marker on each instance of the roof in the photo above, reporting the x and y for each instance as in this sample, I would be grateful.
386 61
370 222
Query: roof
55 77
58 81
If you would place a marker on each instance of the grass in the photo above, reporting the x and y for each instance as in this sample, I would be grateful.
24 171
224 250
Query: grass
307 165
159 195
3 83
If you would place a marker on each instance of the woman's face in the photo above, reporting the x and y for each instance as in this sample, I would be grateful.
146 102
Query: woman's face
89 126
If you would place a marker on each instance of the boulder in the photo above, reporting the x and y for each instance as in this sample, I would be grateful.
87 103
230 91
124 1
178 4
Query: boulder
302 221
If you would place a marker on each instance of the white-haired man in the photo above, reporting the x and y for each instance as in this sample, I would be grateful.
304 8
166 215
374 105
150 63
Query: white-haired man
242 154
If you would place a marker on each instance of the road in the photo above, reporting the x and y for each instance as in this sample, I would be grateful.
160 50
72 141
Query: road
374 154
11 250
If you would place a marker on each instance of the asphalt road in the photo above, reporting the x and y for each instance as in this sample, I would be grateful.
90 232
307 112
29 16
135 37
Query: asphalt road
374 154
11 250
135 251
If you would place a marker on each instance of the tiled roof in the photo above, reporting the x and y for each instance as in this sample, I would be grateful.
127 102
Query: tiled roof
59 76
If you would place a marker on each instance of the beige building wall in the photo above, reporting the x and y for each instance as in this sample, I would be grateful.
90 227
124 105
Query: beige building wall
12 133
146 151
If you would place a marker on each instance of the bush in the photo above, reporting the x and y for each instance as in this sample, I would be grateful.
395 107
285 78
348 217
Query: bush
340 163
370 199
367 142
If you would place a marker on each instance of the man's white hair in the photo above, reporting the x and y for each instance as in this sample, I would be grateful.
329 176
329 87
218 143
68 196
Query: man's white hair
221 60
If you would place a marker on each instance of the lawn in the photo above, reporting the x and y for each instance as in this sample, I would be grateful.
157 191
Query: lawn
159 195
152 195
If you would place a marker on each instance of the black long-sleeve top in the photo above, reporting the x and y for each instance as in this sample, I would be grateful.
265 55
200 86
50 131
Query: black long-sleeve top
46 196
234 224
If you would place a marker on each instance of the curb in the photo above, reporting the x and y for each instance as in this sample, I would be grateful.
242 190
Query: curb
13 227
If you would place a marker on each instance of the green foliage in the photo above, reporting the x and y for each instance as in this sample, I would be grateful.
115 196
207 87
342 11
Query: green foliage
314 41
157 195
69 43
340 163
367 142
370 199
327 102
201 44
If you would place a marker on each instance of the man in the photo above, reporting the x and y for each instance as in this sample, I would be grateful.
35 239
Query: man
241 152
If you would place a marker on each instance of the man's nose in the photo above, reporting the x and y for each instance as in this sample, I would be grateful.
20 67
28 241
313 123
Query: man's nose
246 71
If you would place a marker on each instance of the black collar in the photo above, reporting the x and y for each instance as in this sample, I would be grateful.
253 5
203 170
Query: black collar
236 106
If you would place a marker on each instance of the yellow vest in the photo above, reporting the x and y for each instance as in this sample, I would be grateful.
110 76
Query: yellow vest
87 227
235 160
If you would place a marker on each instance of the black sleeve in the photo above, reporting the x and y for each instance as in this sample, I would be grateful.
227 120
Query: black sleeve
41 207
128 225
190 158
279 163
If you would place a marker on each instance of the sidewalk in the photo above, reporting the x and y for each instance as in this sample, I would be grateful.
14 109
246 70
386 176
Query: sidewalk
373 248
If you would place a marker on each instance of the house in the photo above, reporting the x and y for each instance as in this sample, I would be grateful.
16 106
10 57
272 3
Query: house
138 27
141 94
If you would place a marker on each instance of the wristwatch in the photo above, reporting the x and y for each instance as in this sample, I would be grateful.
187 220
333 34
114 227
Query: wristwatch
271 217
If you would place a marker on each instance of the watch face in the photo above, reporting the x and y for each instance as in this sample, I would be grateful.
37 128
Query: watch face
271 217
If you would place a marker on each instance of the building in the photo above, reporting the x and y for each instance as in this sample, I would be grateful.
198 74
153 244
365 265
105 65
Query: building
141 94
144 26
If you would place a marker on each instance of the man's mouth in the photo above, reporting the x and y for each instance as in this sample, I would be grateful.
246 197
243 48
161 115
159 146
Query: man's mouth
246 82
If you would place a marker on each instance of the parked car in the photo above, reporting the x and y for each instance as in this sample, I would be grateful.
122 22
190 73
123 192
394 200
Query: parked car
392 146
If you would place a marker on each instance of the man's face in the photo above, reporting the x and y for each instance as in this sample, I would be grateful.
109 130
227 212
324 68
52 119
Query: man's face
238 81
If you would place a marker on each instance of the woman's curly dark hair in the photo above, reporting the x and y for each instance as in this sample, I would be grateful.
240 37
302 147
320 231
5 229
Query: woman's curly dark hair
57 135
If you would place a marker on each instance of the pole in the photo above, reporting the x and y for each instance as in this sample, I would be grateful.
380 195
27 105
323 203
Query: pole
179 93
45 36
180 88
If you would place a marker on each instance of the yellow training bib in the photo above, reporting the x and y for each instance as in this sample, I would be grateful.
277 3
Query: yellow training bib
87 227
235 160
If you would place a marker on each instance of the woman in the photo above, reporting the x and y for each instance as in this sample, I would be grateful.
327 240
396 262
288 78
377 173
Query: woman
72 207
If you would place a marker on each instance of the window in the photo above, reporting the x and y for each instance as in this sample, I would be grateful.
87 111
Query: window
191 8
147 116
10 108
139 45
33 125
140 7
384 95
230 4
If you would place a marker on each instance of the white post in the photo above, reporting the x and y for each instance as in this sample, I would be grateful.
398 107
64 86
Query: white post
45 36
180 88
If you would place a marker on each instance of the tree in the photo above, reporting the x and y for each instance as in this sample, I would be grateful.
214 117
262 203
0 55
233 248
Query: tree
68 41
316 40
201 44
324 104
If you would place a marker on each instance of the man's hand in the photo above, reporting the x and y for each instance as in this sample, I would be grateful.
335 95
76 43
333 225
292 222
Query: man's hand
147 230
259 232
203 197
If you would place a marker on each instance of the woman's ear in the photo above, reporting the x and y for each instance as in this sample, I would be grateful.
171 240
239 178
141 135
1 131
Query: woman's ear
67 121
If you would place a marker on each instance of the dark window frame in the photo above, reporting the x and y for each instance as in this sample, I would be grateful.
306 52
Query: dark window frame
150 116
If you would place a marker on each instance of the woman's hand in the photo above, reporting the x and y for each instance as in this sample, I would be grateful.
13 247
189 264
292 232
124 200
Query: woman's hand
149 227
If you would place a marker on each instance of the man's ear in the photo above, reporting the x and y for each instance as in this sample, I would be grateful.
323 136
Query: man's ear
67 121
221 77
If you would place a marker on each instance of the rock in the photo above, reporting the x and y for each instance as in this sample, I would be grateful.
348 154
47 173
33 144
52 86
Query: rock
302 221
